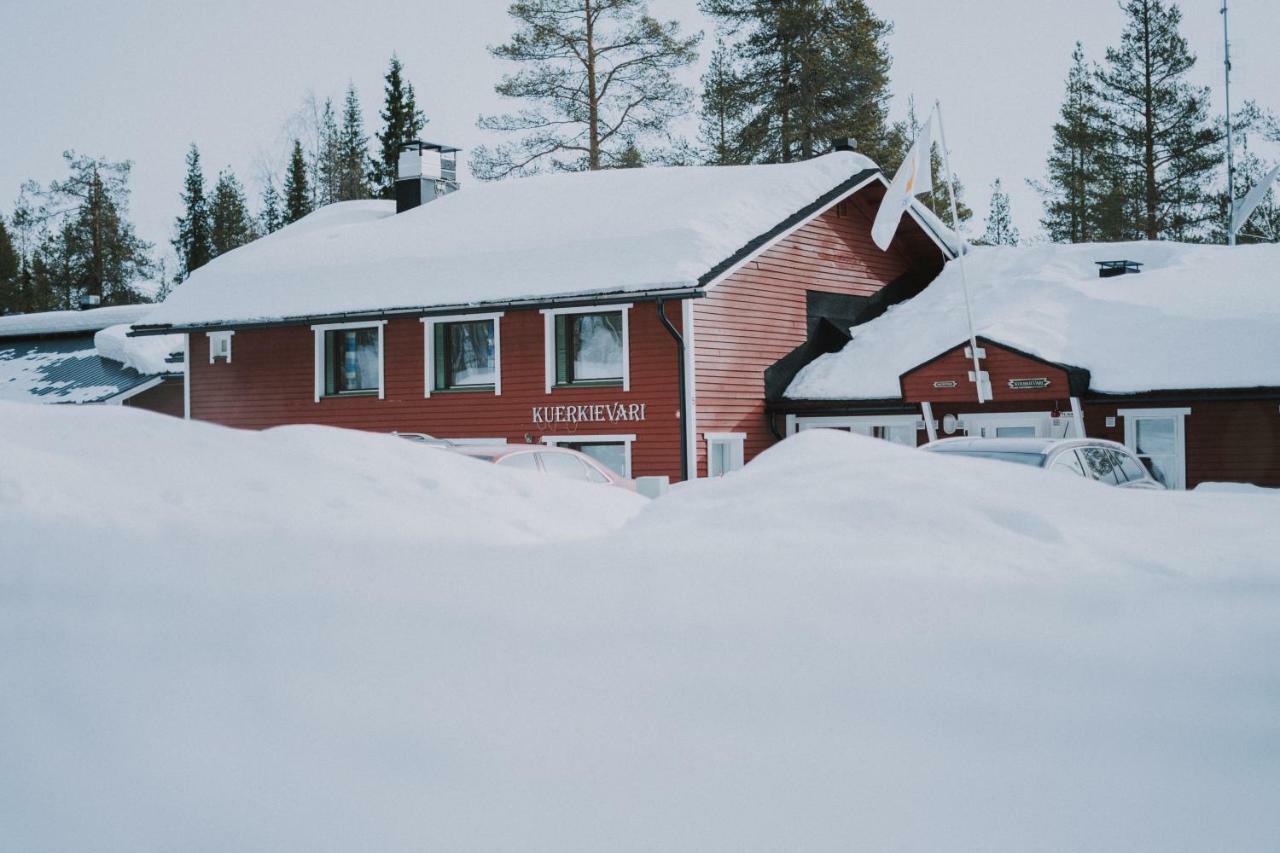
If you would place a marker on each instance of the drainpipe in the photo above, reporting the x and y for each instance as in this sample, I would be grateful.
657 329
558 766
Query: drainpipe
684 410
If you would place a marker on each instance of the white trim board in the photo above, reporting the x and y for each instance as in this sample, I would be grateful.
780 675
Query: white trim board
134 391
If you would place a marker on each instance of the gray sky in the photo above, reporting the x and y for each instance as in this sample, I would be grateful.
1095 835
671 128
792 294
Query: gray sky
141 80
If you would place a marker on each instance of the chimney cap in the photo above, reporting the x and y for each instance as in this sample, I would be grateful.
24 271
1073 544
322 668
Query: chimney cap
844 143
420 145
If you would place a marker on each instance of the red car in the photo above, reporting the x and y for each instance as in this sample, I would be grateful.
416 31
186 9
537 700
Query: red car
556 461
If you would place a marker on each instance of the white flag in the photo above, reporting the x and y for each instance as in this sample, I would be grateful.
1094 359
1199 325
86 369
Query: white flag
914 176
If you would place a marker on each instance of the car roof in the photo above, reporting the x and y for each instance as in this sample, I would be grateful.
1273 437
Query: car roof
1042 446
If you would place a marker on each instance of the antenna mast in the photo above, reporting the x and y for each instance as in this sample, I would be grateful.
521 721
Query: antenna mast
1231 165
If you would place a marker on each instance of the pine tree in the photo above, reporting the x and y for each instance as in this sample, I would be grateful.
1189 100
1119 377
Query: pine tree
93 249
596 75
353 151
810 71
232 224
1164 140
1000 228
297 197
402 121
11 296
192 239
270 219
329 166
723 110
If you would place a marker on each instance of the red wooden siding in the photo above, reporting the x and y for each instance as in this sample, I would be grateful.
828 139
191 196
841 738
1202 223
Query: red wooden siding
758 314
165 398
1002 364
270 381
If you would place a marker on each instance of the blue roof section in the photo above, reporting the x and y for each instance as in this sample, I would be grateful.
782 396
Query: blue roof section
62 370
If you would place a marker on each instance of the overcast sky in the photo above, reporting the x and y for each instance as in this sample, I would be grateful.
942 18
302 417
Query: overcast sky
140 79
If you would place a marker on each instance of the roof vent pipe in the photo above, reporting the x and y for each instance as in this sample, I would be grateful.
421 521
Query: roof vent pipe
425 171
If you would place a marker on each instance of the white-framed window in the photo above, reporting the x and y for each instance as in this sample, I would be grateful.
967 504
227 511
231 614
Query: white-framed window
219 346
1158 438
724 452
1008 424
462 353
587 346
349 359
900 429
612 451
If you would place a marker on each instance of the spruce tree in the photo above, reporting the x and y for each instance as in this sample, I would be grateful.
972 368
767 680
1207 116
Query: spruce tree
232 224
1000 228
271 219
353 151
11 296
192 239
1164 140
297 196
329 166
723 110
402 121
809 72
595 76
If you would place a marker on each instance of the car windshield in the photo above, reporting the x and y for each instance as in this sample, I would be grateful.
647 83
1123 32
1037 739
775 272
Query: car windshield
1035 460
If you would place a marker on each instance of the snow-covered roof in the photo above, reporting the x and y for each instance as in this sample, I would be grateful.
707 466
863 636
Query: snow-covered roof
151 354
65 369
70 322
545 237
1195 317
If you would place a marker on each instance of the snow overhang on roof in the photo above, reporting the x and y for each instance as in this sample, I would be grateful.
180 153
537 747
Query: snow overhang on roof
1196 317
50 323
551 239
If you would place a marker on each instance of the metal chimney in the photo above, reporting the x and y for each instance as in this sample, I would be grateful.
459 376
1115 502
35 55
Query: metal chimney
424 172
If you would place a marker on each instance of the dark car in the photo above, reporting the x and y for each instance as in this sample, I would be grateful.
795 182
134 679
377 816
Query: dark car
1092 458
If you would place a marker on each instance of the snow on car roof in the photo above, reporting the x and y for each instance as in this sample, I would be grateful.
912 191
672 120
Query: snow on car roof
543 237
1197 316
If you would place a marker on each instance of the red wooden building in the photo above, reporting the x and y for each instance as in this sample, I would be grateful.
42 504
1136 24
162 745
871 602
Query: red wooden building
644 316
1179 358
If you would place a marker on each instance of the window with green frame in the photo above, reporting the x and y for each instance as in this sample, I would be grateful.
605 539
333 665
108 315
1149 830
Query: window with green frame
352 364
465 358
589 348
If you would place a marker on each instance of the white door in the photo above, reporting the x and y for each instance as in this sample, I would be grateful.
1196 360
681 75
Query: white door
1008 424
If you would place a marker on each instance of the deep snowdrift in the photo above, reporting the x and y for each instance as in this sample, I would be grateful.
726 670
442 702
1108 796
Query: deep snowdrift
848 645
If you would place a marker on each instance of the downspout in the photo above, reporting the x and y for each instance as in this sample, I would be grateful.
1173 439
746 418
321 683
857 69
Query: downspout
684 410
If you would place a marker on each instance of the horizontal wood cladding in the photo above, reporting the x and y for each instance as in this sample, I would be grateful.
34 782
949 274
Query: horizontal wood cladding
165 398
759 314
270 382
946 379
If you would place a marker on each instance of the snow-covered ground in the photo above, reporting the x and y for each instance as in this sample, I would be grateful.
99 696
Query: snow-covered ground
309 639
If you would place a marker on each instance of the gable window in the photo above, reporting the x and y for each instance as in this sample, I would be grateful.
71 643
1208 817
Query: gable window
724 452
220 346
1157 437
349 359
463 353
588 346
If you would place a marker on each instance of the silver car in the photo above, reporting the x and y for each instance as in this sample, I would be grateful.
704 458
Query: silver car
1093 458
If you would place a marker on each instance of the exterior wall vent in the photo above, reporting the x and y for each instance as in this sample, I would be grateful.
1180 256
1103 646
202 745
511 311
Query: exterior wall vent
424 172
1111 269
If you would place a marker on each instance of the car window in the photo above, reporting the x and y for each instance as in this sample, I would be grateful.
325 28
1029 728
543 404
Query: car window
523 461
1104 464
1133 469
1068 463
564 465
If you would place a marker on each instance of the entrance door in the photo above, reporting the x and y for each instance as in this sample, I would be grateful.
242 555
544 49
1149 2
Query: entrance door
1008 424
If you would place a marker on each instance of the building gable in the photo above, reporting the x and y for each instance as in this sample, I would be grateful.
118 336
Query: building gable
1014 375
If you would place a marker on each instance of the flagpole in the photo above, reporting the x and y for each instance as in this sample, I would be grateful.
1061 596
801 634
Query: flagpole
955 224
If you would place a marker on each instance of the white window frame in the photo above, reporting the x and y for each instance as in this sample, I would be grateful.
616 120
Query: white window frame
549 338
214 338
429 350
1179 416
1043 421
318 331
627 440
737 444
796 423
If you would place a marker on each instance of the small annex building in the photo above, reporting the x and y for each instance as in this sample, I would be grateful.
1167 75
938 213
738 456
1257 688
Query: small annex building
87 357
1171 349
643 316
